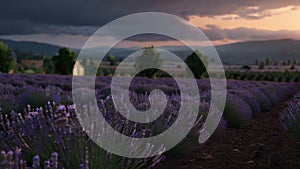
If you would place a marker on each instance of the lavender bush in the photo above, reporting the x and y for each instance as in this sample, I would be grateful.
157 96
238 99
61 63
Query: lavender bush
264 101
290 120
190 143
7 103
271 94
56 131
236 111
249 98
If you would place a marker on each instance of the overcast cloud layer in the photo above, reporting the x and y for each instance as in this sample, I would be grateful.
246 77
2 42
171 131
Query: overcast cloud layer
82 17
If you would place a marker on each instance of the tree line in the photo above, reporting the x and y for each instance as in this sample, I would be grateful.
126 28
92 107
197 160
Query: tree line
63 62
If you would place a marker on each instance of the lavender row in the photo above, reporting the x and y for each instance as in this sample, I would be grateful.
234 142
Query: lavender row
290 120
54 129
252 98
18 91
48 127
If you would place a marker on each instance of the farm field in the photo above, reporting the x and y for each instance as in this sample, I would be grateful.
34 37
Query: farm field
39 125
260 143
150 84
278 76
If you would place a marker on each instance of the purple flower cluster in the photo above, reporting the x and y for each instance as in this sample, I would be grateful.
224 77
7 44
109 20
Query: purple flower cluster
54 133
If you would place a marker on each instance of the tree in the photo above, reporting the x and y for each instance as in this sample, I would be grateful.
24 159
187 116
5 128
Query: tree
48 65
268 61
150 56
246 68
111 58
196 64
7 61
295 62
261 65
64 61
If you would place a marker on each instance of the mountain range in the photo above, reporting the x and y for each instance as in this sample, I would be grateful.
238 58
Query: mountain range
235 53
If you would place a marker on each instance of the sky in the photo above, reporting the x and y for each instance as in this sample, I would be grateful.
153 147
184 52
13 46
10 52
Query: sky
70 23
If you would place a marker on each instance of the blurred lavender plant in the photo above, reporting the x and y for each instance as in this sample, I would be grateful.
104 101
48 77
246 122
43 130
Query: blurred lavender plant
56 130
12 160
290 120
7 103
191 141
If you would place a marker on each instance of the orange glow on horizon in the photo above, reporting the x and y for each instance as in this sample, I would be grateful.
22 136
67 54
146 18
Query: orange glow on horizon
282 19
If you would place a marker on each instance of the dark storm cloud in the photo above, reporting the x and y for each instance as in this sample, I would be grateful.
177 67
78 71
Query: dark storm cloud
82 16
149 37
8 27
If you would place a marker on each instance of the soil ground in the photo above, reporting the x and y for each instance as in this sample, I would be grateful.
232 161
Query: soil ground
261 143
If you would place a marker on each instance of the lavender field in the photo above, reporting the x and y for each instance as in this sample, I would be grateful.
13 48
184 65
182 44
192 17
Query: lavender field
39 125
150 84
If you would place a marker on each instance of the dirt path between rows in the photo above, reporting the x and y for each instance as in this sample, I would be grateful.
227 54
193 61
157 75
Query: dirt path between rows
261 143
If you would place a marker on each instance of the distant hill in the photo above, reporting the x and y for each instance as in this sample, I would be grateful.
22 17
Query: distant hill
236 53
50 50
249 52
32 47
